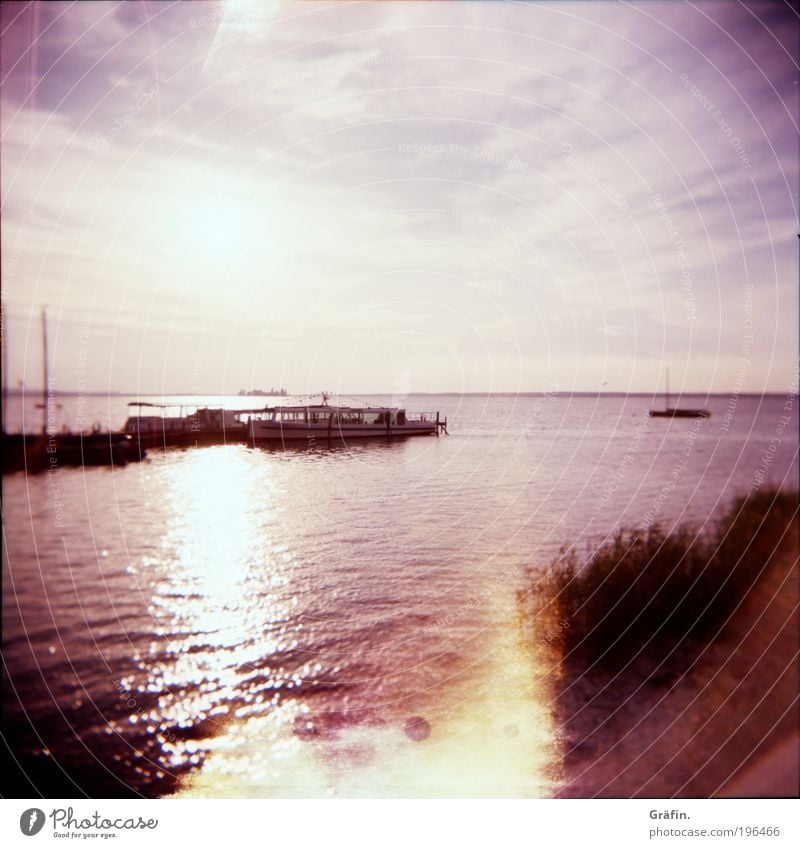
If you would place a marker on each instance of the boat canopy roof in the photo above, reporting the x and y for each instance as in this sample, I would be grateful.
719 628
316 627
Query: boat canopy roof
324 407
193 405
296 407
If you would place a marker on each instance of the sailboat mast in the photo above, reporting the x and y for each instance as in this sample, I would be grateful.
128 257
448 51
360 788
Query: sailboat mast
4 346
44 372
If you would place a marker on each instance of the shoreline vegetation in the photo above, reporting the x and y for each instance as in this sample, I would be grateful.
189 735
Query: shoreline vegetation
674 655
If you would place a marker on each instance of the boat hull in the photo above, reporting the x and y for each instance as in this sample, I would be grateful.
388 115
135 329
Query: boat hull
35 452
261 431
679 413
187 438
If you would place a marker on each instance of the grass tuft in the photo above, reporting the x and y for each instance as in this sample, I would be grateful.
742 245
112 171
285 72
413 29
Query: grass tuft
645 594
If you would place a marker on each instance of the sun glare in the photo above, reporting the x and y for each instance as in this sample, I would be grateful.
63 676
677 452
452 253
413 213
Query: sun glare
247 16
239 19
221 230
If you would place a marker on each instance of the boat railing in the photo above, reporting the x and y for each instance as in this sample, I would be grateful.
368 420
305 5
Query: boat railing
429 417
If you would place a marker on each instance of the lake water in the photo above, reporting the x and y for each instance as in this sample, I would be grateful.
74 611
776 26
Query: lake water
333 621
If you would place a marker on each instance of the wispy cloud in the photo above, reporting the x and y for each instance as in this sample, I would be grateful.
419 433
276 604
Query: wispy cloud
460 191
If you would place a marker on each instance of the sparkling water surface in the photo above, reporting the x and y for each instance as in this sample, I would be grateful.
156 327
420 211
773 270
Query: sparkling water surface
332 621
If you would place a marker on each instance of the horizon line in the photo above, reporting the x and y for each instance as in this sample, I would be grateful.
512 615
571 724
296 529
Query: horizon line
532 392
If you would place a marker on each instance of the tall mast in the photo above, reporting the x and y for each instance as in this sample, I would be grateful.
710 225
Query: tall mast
5 363
44 371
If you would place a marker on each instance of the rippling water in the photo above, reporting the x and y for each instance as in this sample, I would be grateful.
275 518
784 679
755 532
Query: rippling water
332 621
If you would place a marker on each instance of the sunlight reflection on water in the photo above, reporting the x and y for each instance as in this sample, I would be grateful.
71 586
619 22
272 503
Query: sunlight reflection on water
247 691
268 622
220 602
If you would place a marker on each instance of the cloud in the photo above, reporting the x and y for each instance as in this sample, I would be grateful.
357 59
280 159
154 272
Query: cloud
304 163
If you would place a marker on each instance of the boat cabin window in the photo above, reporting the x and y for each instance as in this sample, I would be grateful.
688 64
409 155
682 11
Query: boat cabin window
291 415
401 416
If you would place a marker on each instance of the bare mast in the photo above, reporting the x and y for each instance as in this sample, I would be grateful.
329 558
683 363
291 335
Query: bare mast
4 347
44 371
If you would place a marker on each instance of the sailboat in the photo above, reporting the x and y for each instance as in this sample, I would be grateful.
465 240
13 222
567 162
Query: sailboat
674 412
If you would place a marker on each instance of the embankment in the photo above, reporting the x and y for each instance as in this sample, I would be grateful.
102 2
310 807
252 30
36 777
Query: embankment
675 658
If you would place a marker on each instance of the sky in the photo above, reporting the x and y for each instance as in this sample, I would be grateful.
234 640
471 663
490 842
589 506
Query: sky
386 196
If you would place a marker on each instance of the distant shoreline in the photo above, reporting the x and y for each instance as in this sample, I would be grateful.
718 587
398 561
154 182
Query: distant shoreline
59 393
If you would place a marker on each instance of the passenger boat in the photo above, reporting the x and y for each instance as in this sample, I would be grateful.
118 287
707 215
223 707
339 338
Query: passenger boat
323 422
203 426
